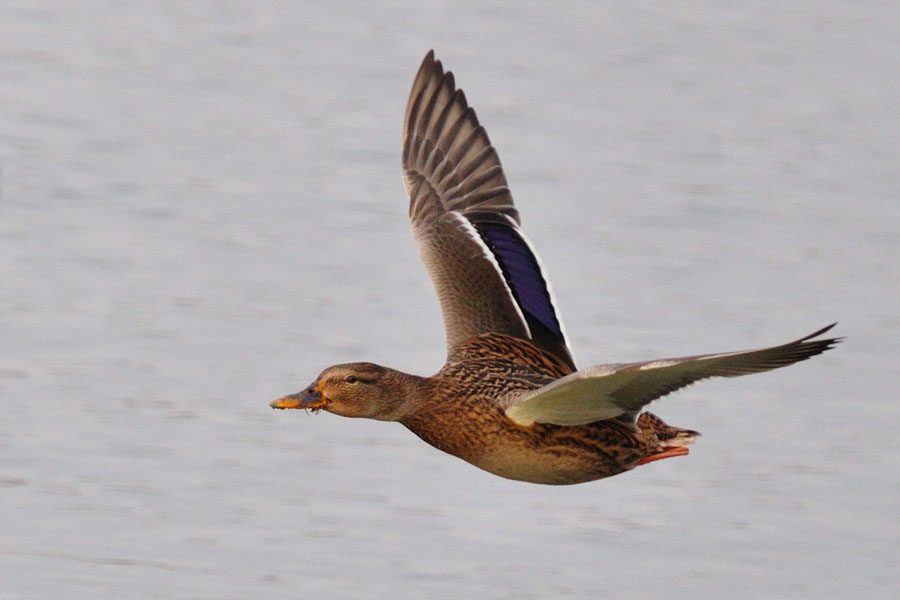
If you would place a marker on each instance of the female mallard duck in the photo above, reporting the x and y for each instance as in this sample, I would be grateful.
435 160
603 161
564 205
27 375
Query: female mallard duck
509 398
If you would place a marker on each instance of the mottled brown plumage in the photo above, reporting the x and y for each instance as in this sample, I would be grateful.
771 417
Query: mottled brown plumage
464 416
509 398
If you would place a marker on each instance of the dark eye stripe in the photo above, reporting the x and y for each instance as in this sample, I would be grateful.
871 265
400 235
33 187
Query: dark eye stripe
358 379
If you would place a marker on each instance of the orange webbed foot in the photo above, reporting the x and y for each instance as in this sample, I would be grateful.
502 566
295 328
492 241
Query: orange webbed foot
667 453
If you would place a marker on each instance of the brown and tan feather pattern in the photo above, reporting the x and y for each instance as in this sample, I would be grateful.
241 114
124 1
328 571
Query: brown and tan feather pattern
508 398
449 165
455 183
464 417
446 148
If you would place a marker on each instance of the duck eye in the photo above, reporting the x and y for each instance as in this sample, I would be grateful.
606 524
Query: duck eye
351 379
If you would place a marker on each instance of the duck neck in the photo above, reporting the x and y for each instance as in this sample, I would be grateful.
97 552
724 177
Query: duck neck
411 393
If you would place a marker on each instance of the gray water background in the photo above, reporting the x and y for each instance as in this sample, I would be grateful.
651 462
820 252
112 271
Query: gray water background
201 207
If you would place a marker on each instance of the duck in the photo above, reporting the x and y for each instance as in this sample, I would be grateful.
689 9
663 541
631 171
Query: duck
509 399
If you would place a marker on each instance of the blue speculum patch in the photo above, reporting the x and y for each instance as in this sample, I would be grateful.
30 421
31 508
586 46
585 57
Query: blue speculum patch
522 273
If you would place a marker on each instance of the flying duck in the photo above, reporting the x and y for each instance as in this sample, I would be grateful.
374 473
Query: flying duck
509 398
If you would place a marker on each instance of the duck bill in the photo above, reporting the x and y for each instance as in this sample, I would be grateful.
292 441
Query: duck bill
308 398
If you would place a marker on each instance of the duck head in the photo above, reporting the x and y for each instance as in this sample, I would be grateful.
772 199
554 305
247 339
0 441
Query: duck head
362 390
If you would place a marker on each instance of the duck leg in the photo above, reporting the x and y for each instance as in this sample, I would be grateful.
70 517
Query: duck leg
673 441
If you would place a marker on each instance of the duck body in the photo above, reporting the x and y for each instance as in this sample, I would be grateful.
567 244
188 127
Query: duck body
462 411
464 416
509 398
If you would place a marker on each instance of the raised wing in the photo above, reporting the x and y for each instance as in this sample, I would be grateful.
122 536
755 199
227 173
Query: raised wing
487 275
611 391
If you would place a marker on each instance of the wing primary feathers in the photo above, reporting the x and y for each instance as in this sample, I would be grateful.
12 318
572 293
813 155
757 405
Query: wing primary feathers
487 275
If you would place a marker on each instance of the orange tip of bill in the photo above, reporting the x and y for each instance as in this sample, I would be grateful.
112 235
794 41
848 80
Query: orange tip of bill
286 402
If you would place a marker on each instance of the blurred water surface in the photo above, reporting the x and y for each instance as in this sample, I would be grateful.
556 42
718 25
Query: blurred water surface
201 207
